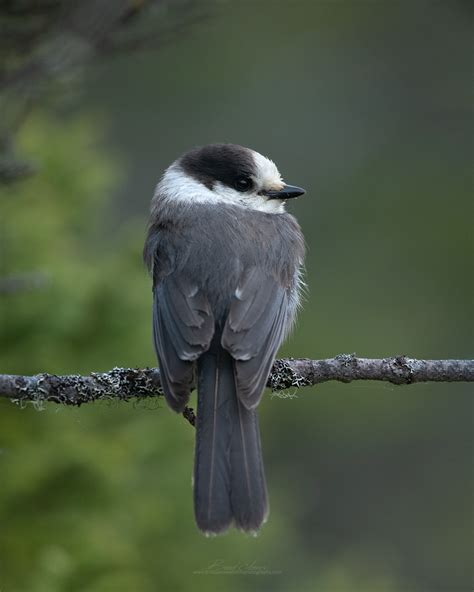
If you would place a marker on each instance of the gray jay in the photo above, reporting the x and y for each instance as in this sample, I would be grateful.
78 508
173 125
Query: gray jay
226 262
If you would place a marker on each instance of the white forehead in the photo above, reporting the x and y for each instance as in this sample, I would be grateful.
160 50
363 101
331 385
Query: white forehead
266 172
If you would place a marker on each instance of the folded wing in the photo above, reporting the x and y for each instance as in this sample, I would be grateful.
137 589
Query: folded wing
183 326
254 330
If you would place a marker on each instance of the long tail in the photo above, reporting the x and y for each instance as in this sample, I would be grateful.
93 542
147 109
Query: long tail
229 480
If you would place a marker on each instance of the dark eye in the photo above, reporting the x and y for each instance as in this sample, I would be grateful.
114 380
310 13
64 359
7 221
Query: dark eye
243 183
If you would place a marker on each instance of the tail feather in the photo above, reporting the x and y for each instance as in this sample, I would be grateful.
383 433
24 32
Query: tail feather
213 434
229 480
248 487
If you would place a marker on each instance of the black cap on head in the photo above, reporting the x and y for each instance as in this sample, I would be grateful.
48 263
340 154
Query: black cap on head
228 163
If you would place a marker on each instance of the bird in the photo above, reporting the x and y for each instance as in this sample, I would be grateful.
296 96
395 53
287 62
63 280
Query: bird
226 261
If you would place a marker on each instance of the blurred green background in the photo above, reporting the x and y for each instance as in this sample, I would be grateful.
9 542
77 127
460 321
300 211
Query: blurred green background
366 104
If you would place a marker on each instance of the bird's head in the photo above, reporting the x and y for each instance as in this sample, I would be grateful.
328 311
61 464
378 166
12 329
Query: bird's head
226 174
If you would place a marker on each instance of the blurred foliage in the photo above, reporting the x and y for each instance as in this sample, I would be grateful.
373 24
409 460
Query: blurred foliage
51 224
364 104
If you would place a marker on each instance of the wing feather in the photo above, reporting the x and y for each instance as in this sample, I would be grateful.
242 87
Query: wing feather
183 326
253 332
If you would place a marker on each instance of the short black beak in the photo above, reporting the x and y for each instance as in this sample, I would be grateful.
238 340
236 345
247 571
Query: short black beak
288 192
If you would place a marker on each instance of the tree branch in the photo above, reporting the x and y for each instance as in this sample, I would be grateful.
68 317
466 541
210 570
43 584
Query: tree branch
46 42
126 383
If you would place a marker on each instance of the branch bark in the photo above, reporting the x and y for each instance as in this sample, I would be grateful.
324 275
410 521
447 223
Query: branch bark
127 383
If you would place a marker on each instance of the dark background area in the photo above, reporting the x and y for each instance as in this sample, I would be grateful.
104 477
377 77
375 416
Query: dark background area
366 104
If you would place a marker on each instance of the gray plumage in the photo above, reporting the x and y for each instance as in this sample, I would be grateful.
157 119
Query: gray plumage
225 285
